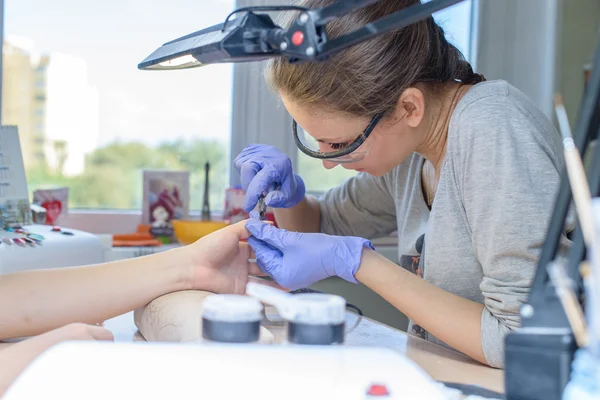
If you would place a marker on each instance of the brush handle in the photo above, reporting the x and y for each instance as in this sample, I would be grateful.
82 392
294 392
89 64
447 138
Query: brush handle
569 302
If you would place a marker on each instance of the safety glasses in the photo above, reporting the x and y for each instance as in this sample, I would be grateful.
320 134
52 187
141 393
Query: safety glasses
335 152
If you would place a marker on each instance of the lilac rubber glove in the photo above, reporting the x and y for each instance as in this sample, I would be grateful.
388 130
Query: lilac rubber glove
261 167
297 260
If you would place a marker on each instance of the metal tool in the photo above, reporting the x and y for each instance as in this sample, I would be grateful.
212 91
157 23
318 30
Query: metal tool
262 205
262 208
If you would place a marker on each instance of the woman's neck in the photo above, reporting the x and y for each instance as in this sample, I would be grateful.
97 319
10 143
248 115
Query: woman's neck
435 132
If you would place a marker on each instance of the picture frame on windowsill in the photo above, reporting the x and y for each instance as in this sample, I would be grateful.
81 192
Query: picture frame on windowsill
166 196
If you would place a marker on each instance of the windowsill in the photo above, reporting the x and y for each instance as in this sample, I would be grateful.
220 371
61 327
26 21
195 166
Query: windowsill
91 211
103 221
112 222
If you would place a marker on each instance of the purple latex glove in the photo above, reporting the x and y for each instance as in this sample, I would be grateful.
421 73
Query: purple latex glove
297 260
261 167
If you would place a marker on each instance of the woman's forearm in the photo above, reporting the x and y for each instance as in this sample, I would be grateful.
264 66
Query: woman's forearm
304 217
452 319
33 302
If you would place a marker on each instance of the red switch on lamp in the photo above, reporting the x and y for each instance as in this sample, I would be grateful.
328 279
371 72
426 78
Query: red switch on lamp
378 390
297 38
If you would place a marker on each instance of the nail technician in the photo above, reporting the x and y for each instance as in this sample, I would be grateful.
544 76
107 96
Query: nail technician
465 170
67 303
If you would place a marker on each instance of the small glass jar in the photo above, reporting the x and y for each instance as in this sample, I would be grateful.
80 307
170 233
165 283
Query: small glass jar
229 318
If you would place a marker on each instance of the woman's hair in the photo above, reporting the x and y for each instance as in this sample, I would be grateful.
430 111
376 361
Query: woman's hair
368 78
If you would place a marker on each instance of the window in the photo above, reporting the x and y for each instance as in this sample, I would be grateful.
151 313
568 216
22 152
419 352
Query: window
90 120
456 22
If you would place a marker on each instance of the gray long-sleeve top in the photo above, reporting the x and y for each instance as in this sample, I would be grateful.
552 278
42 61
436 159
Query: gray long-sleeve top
482 238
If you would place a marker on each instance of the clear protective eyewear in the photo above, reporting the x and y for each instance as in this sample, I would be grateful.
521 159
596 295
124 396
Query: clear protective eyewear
335 152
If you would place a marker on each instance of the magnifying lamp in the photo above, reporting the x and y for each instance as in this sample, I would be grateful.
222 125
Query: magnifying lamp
255 37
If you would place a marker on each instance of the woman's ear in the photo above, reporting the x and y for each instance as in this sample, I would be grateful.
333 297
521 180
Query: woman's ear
411 107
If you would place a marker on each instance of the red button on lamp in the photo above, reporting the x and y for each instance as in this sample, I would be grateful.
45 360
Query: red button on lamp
378 390
297 38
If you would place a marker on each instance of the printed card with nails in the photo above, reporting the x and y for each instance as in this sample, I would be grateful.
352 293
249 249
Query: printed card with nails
14 196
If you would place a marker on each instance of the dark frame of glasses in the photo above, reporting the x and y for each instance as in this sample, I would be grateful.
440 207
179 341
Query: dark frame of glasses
339 153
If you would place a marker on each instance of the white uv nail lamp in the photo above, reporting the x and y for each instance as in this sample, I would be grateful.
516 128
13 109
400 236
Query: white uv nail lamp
43 247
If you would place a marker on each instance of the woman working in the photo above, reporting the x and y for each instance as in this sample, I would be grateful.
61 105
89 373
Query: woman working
59 304
465 170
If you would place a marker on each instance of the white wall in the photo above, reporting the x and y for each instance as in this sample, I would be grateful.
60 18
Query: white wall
580 28
540 46
517 42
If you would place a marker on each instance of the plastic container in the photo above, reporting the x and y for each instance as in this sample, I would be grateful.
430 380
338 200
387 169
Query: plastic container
229 318
312 318
320 319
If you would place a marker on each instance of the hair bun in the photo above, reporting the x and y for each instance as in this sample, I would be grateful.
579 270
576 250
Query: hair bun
467 76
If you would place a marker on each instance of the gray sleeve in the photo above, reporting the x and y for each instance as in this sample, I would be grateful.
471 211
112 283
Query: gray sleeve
362 206
508 180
